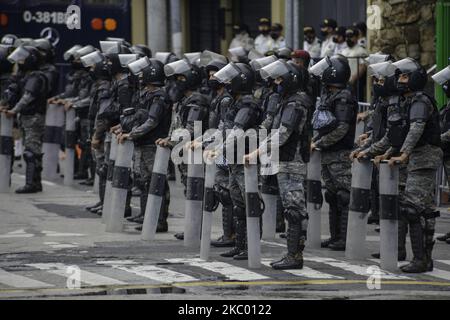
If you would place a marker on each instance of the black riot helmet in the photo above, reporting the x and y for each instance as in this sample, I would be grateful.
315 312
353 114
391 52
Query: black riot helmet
151 71
190 72
291 75
384 74
111 50
338 72
238 77
69 55
239 55
416 74
97 62
258 64
5 65
27 57
46 49
141 50
283 53
166 57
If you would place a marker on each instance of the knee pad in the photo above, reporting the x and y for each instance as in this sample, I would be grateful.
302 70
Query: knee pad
224 196
411 215
343 198
239 212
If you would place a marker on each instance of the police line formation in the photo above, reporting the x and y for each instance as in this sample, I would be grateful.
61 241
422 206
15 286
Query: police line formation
125 107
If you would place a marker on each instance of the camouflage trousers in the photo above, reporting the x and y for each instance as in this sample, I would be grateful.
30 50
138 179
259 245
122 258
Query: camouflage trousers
292 195
33 128
336 171
144 158
447 169
237 189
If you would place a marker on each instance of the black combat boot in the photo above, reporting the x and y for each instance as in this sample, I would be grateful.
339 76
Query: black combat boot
428 254
101 192
163 226
295 246
281 224
332 218
38 172
444 238
227 240
143 203
240 241
30 186
340 244
418 264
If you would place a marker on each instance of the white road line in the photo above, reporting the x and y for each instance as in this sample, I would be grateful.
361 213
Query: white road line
61 234
306 272
361 270
228 270
16 234
85 276
156 273
437 273
116 262
18 281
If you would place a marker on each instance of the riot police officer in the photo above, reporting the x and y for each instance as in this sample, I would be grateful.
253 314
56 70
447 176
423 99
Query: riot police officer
335 139
31 107
293 130
245 113
148 121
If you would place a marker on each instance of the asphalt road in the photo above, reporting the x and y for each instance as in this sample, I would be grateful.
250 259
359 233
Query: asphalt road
50 247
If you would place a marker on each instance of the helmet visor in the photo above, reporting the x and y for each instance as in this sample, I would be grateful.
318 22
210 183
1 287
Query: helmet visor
18 55
162 56
227 73
192 57
126 59
442 76
253 55
260 63
274 70
320 67
177 67
70 53
238 52
137 66
83 51
376 58
208 56
110 47
382 69
92 59
406 65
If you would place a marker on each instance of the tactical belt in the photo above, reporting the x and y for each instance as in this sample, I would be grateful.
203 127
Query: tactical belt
6 145
194 189
53 134
360 200
253 203
314 191
157 184
71 139
389 207
121 178
268 189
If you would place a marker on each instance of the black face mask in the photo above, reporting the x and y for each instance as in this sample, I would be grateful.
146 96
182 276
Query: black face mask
379 90
176 91
350 43
77 65
402 87
323 33
335 40
265 32
274 35
310 40
214 84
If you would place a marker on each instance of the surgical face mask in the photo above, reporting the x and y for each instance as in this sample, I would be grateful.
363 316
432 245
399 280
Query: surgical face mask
323 33
309 39
335 39
275 35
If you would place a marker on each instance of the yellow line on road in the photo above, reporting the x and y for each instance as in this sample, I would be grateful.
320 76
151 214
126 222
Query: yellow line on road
232 283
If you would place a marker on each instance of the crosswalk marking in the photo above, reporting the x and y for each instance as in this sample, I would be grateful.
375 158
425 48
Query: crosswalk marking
437 273
18 281
228 270
444 261
305 272
155 273
353 268
85 276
